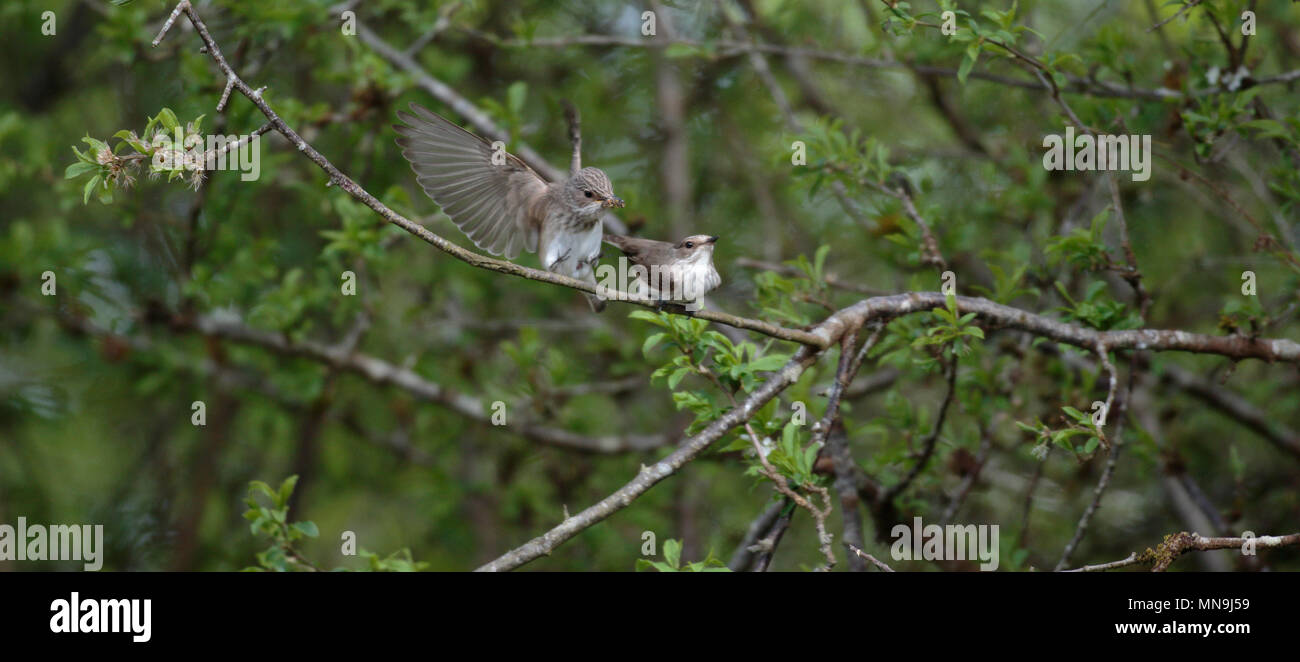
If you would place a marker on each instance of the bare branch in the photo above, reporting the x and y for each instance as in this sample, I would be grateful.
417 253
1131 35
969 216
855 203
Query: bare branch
1236 407
382 372
837 448
743 557
1181 10
1178 544
876 562
1131 559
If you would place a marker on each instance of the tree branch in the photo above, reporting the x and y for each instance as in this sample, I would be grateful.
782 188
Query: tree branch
381 372
1236 407
648 477
729 49
1178 544
743 557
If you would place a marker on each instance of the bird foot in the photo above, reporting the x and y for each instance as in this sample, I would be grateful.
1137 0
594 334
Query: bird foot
561 258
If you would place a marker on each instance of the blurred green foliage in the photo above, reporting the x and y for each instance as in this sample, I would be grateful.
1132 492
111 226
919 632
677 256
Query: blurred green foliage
97 381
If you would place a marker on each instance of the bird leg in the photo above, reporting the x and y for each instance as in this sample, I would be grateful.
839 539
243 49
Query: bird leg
671 307
557 260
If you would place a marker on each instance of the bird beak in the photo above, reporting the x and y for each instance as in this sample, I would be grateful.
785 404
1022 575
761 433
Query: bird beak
612 201
713 239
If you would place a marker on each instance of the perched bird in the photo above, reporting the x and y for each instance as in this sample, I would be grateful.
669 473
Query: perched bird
501 203
677 273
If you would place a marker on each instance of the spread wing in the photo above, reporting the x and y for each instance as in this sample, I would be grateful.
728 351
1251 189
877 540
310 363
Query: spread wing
497 206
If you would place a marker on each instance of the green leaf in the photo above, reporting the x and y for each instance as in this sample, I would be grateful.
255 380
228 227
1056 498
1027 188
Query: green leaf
1063 440
647 316
1237 464
168 119
819 261
90 186
1076 414
286 490
680 50
809 457
967 64
262 487
673 552
96 146
104 193
768 363
515 96
651 342
1267 128
789 436
77 169
677 377
307 529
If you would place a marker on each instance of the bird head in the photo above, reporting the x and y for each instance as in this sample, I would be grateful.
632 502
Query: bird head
695 248
590 191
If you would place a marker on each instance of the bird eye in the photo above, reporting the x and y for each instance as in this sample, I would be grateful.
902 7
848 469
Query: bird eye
587 193
690 244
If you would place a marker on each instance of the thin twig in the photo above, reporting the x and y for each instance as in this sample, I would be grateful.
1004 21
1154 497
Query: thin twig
928 444
874 561
743 557
1117 445
727 49
982 457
